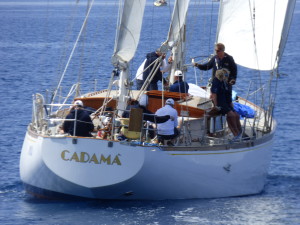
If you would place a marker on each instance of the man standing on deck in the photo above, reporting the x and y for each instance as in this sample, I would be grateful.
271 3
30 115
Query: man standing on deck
219 61
151 66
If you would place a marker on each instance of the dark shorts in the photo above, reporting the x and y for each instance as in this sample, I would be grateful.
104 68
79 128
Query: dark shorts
225 109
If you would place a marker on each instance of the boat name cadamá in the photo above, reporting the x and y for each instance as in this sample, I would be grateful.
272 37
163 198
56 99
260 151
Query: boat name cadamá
84 157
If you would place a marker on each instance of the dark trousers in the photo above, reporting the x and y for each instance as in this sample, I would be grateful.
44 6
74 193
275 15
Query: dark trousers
152 86
139 84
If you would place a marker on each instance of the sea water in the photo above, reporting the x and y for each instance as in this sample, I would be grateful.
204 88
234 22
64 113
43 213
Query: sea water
32 36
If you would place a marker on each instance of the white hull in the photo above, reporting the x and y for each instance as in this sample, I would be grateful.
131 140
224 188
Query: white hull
49 167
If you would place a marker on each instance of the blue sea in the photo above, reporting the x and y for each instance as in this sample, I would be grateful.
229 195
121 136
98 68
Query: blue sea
35 42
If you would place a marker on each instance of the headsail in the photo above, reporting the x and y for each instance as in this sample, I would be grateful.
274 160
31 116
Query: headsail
254 32
129 29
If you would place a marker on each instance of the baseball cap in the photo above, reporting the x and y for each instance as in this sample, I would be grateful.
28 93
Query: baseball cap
178 73
170 101
78 103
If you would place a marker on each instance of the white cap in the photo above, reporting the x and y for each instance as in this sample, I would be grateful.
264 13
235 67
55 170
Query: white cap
78 103
170 101
178 73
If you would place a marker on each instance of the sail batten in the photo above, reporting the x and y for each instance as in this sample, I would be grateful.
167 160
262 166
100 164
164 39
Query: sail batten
253 31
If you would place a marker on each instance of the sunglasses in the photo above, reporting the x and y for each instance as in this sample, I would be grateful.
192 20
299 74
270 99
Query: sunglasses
217 50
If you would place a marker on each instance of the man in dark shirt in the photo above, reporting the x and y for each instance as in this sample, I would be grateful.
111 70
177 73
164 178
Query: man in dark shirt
219 61
179 85
84 124
155 66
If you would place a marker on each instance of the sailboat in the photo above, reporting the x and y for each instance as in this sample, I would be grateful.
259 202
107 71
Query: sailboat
160 3
198 165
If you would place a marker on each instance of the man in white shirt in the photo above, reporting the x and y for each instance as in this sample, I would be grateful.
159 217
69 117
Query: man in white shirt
167 130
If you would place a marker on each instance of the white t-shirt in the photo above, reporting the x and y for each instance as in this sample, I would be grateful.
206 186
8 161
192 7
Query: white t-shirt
167 128
139 72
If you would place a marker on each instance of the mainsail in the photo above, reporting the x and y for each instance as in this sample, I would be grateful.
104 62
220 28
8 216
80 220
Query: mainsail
255 32
129 29
127 39
176 33
178 21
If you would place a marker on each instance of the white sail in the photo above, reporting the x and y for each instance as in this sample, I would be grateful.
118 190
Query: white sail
178 21
176 35
254 32
129 31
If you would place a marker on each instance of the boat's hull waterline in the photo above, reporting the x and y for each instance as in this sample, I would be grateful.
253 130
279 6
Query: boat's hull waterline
101 169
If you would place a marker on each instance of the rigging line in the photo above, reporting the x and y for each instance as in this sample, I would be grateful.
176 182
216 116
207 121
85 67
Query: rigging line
252 93
151 33
273 31
73 50
120 12
252 11
210 33
106 99
170 10
109 23
163 93
67 39
81 57
210 26
150 76
72 90
272 48
206 23
191 35
92 46
145 69
45 36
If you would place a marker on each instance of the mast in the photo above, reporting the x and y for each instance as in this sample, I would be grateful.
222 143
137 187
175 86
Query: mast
127 39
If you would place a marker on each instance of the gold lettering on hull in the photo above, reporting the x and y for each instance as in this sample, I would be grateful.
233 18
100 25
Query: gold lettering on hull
84 157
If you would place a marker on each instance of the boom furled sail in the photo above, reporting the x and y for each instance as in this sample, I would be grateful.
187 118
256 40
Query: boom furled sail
255 32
